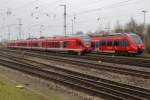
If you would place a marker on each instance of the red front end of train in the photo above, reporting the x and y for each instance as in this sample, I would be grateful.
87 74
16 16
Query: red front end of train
119 43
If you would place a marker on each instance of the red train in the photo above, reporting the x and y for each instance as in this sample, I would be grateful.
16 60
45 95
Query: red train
75 44
119 43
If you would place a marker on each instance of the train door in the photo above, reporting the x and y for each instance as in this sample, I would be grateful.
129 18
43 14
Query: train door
39 44
30 44
79 44
97 45
65 43
109 45
44 44
61 44
103 45
125 44
93 45
121 45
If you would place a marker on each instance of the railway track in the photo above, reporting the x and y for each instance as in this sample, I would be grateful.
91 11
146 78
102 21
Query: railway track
89 64
122 60
141 62
75 80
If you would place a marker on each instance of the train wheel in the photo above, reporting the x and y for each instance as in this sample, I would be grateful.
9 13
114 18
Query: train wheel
80 53
116 52
121 53
132 54
71 52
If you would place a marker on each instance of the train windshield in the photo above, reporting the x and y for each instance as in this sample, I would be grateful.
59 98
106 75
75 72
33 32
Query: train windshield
136 39
86 39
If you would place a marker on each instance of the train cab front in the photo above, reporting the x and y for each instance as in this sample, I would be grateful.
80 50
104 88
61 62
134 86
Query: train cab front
88 49
86 40
137 44
140 48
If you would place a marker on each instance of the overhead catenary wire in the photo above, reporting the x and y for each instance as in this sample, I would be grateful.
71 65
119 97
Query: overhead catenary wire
99 9
26 5
106 7
31 3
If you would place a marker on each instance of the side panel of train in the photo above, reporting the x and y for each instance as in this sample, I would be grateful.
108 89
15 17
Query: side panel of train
120 44
71 45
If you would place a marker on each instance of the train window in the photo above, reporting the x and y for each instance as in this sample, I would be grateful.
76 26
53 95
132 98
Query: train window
49 44
103 42
79 43
100 42
93 44
136 39
57 44
109 43
120 42
53 44
34 44
97 43
40 44
22 44
43 44
125 42
65 43
116 42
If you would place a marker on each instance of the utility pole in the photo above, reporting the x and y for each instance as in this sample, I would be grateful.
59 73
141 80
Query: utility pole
8 32
8 14
29 35
144 31
108 27
72 22
65 17
99 23
41 26
72 26
20 27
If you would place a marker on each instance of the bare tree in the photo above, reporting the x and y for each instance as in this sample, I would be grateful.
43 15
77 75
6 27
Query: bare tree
118 27
148 30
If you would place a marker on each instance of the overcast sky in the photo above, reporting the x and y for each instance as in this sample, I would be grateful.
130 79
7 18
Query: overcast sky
47 15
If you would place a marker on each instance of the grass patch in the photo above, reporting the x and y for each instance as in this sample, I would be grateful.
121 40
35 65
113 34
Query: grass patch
8 91
54 96
144 55
147 55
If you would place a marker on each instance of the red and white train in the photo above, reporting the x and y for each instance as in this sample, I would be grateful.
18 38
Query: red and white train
120 43
74 44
